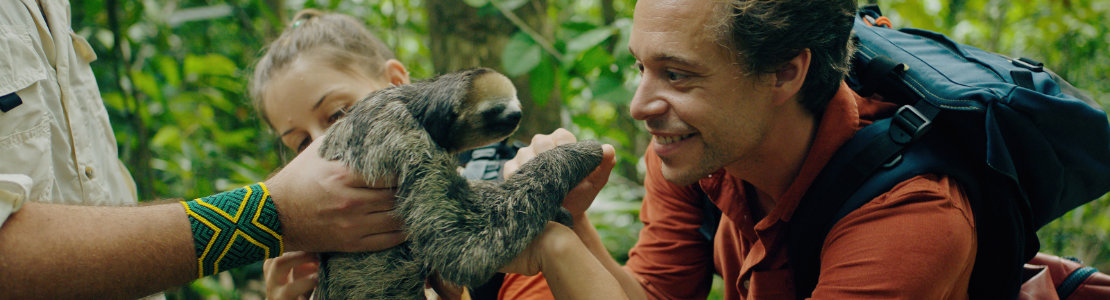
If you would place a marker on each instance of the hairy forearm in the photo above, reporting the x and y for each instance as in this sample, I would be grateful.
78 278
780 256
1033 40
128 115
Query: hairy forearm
588 235
77 252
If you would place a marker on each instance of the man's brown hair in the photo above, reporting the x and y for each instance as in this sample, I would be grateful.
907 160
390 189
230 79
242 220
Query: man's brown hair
765 34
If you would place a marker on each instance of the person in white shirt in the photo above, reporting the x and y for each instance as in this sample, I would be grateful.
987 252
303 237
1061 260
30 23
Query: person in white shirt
69 227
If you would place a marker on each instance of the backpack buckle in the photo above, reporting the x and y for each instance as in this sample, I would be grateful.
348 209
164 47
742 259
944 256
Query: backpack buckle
908 124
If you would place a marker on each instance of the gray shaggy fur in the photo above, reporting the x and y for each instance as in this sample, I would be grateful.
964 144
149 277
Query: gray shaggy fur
463 231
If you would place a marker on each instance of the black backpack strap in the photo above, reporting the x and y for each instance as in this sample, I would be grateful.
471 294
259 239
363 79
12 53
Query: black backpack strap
711 216
1073 281
881 145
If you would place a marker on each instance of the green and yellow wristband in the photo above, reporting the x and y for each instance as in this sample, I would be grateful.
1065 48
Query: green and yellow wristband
234 228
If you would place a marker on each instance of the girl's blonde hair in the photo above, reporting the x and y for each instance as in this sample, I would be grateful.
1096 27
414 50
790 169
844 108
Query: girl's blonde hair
341 39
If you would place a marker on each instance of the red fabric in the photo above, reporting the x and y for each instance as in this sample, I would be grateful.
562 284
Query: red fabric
1096 286
916 241
521 287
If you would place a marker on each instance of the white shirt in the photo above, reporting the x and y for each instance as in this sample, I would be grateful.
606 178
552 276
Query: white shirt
57 146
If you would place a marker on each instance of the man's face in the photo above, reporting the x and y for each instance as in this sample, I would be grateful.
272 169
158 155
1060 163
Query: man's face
703 111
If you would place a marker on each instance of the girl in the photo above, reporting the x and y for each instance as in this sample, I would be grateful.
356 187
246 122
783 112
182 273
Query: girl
304 82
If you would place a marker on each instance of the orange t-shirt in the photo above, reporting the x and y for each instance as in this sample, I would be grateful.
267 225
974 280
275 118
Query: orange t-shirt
916 241
521 287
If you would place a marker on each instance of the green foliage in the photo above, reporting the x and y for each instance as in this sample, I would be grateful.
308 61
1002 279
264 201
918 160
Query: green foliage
525 55
173 77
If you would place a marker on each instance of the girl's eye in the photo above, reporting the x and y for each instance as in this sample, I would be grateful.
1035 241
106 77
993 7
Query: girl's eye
304 144
338 114
639 66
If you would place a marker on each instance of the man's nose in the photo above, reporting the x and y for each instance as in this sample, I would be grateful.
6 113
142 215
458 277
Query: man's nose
647 103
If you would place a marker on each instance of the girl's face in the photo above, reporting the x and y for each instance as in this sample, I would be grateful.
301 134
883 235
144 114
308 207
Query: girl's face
303 99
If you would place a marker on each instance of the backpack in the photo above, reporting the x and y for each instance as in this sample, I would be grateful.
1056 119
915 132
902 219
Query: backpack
1054 277
1023 143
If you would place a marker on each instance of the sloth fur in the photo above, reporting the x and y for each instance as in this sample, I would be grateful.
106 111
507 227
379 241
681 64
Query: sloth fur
463 231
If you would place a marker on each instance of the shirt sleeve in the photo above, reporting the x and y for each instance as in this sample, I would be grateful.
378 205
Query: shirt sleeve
14 189
671 259
917 241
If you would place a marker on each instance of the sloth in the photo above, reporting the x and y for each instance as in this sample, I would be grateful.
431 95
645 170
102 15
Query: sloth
464 231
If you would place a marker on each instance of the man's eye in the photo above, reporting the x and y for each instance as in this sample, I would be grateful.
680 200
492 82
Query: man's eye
675 76
304 144
639 66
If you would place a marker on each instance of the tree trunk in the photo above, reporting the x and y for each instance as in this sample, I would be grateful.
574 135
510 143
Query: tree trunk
464 37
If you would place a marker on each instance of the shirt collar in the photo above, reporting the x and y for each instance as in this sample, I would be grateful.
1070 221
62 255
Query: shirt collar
839 122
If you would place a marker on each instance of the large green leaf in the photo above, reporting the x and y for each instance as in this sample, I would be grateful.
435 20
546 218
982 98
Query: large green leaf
589 39
521 55
167 67
595 58
542 81
146 84
209 64
168 135
609 87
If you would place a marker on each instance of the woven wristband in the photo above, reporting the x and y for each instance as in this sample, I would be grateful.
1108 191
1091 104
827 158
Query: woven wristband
234 228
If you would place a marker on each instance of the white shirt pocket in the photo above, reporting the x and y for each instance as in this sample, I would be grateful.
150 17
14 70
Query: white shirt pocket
25 130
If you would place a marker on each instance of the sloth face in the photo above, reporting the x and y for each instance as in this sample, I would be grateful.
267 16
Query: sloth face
490 113
469 109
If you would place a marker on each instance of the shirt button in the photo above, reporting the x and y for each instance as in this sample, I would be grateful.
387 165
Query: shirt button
747 284
89 172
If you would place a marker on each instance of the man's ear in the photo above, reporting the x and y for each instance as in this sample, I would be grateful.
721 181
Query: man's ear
790 77
395 72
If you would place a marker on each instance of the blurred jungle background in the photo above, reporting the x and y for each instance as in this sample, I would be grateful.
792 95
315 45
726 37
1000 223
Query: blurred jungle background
173 74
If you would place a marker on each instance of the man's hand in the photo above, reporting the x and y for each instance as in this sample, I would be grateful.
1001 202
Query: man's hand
582 196
325 207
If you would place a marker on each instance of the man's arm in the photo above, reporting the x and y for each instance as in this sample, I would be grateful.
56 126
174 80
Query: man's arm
67 252
590 238
916 242
571 270
71 252
587 240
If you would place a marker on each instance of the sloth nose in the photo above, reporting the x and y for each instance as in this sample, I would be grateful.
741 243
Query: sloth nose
505 115
512 116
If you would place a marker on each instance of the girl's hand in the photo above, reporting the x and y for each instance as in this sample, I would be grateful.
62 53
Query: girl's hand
292 275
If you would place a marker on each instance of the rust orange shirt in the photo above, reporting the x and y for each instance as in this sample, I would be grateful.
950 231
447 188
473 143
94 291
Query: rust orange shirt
521 287
916 241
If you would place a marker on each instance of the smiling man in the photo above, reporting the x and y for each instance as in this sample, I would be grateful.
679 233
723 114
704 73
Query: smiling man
746 103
